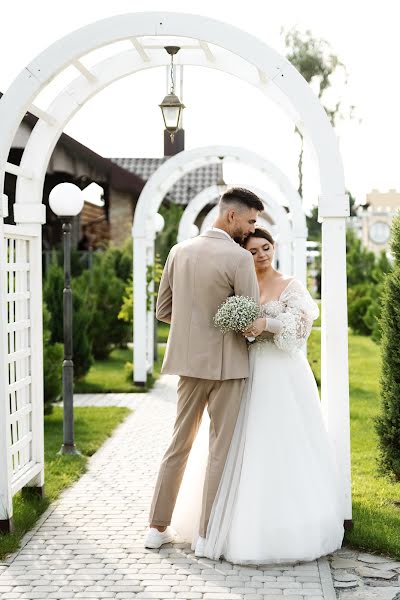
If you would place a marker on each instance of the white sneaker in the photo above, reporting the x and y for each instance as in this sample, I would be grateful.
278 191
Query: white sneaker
155 538
200 547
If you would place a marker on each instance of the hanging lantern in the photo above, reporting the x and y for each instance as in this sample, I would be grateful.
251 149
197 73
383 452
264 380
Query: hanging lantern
171 106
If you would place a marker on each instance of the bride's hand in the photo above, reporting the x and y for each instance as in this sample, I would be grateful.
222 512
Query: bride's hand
256 328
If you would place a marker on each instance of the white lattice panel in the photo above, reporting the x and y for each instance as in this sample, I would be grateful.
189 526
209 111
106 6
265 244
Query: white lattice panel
19 353
20 404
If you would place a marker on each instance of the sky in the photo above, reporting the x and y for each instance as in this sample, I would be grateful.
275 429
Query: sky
125 120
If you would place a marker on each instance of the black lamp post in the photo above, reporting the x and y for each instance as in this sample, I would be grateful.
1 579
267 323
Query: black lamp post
66 202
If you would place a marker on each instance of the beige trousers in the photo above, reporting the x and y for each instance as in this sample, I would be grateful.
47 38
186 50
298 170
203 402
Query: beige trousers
223 401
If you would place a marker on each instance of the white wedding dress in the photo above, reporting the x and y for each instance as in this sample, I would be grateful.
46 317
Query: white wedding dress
279 498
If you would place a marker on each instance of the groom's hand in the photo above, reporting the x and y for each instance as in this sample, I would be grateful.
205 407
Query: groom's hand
256 328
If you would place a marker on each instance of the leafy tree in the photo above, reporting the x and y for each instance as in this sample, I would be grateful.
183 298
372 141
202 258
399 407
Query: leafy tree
315 60
365 277
360 261
104 293
168 236
154 273
388 422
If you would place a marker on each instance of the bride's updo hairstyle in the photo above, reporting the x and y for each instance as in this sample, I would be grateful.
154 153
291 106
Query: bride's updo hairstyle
259 232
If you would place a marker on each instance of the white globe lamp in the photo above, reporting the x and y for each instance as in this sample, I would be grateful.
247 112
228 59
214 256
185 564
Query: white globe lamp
66 200
158 222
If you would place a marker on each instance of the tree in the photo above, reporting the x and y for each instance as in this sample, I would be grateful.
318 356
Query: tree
365 276
104 296
52 365
316 62
168 236
388 422
53 297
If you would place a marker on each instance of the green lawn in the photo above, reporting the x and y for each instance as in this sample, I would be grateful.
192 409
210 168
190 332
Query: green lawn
376 500
110 375
162 331
92 427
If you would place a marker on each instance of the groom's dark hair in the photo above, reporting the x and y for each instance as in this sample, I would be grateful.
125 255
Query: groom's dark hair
242 197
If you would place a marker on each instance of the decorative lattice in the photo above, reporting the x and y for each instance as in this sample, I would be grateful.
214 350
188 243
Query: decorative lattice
19 385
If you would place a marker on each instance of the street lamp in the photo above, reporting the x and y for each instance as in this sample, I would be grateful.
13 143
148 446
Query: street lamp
66 202
171 106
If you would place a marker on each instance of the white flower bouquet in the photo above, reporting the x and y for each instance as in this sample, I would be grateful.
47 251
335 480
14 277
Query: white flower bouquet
236 314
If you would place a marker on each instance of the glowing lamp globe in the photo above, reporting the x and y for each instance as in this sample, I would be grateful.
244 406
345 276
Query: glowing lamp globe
159 222
66 200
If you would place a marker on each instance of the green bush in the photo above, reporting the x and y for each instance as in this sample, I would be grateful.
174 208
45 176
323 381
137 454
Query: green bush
359 299
104 292
365 276
168 236
52 365
388 422
53 297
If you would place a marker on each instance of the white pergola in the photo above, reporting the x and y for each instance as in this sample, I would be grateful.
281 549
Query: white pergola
274 214
203 42
144 232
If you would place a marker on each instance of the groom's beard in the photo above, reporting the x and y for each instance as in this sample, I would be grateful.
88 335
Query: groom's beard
238 239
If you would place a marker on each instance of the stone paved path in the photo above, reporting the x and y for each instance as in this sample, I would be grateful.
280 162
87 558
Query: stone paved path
361 576
89 543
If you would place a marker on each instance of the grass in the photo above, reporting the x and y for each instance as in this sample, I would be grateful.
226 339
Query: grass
110 375
92 427
376 515
162 331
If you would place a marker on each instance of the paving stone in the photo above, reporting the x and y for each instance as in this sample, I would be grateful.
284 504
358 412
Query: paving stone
346 584
378 574
344 563
372 558
377 593
344 576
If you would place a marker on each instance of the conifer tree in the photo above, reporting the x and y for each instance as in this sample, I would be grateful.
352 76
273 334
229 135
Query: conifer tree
388 422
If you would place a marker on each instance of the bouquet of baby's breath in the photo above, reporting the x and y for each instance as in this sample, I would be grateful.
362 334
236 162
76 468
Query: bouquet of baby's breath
236 314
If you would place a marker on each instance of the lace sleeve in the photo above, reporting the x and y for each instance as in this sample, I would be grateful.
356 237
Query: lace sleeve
297 317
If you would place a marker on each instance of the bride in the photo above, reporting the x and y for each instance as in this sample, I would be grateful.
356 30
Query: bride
279 498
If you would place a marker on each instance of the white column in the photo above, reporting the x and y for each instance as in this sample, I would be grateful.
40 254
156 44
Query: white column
150 312
6 508
139 310
31 217
334 350
300 259
285 258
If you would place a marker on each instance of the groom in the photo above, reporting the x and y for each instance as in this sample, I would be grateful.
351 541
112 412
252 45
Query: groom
199 275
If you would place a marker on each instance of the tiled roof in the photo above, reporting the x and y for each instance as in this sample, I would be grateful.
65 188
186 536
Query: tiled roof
186 188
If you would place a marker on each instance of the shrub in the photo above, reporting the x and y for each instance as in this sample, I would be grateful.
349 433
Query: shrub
388 422
53 297
52 365
104 292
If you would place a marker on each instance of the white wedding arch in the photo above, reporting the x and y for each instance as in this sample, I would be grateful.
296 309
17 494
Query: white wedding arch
204 42
144 231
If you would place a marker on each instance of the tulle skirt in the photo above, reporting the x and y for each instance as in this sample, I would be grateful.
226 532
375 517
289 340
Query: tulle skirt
279 498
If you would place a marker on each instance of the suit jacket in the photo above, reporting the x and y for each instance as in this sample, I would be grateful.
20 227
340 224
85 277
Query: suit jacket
198 277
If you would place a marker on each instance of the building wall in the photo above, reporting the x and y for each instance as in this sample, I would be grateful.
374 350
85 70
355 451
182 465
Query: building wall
120 216
376 219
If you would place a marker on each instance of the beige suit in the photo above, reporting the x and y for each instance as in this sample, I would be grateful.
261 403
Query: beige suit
198 277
